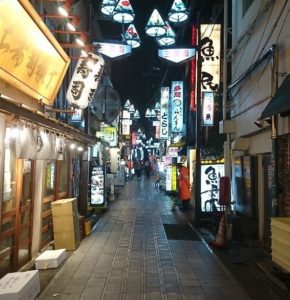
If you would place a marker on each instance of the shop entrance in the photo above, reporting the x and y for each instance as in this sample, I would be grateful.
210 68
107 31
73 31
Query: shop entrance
17 208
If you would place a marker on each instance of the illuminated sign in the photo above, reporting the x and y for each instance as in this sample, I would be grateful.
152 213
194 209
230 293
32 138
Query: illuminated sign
113 50
85 80
210 178
97 186
207 108
173 151
164 120
210 53
168 178
176 106
32 61
174 178
110 135
77 115
177 55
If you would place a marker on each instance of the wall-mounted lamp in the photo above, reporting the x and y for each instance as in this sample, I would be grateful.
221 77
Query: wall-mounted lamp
80 40
64 8
72 24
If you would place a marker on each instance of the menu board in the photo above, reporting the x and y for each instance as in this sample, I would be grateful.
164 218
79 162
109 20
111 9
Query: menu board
97 186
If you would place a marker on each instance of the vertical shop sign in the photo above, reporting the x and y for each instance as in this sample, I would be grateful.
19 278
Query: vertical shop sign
85 80
169 178
176 106
210 177
174 177
207 108
210 56
97 190
193 72
164 120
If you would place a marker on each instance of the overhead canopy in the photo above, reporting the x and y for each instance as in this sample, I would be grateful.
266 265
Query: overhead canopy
280 103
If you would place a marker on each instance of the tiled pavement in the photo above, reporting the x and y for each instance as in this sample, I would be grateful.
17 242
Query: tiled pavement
128 256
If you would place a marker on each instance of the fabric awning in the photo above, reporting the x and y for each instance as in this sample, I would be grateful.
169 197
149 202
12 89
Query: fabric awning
280 103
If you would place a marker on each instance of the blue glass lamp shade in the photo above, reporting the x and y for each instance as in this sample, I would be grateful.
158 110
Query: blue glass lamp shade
123 12
178 12
155 26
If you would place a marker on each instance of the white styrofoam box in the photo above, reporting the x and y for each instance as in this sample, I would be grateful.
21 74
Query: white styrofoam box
20 285
50 259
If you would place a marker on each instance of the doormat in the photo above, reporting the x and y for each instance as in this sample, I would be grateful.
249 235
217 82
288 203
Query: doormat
180 232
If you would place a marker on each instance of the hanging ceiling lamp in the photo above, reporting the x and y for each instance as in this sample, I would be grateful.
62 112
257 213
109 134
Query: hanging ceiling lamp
127 104
123 12
155 26
178 12
168 38
107 7
136 115
131 36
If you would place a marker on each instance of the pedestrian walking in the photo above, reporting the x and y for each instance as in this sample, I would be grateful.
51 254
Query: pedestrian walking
184 192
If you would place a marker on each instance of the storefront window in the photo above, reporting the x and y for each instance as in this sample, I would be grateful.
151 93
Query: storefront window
63 180
49 182
9 184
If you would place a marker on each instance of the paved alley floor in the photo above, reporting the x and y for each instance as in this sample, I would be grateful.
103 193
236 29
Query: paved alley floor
134 253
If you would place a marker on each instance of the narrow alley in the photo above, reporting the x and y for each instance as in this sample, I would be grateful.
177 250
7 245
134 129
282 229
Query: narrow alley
132 253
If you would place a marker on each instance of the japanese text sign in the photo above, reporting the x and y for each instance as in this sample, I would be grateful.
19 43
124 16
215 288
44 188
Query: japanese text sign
85 80
207 108
210 53
32 61
164 120
176 106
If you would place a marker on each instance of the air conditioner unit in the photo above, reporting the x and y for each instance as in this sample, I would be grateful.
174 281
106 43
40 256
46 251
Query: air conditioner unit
227 126
241 144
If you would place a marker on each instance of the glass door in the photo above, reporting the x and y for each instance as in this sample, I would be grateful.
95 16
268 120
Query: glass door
24 210
16 221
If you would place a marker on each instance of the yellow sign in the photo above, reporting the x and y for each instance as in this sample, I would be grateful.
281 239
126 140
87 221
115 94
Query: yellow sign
110 135
31 60
174 178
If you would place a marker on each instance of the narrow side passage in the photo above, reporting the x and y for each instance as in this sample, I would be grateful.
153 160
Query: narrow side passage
129 256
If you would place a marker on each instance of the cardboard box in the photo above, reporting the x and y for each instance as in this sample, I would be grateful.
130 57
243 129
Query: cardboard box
64 207
65 223
20 286
67 240
50 259
280 228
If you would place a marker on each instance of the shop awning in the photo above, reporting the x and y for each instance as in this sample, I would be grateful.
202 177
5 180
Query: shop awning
280 103
41 119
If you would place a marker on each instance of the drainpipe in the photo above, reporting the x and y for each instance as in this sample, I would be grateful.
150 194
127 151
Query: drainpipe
274 136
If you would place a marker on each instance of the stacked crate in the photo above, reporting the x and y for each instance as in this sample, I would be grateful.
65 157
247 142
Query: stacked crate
280 228
66 224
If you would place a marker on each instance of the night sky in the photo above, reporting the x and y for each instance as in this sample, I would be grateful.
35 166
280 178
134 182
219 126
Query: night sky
140 76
